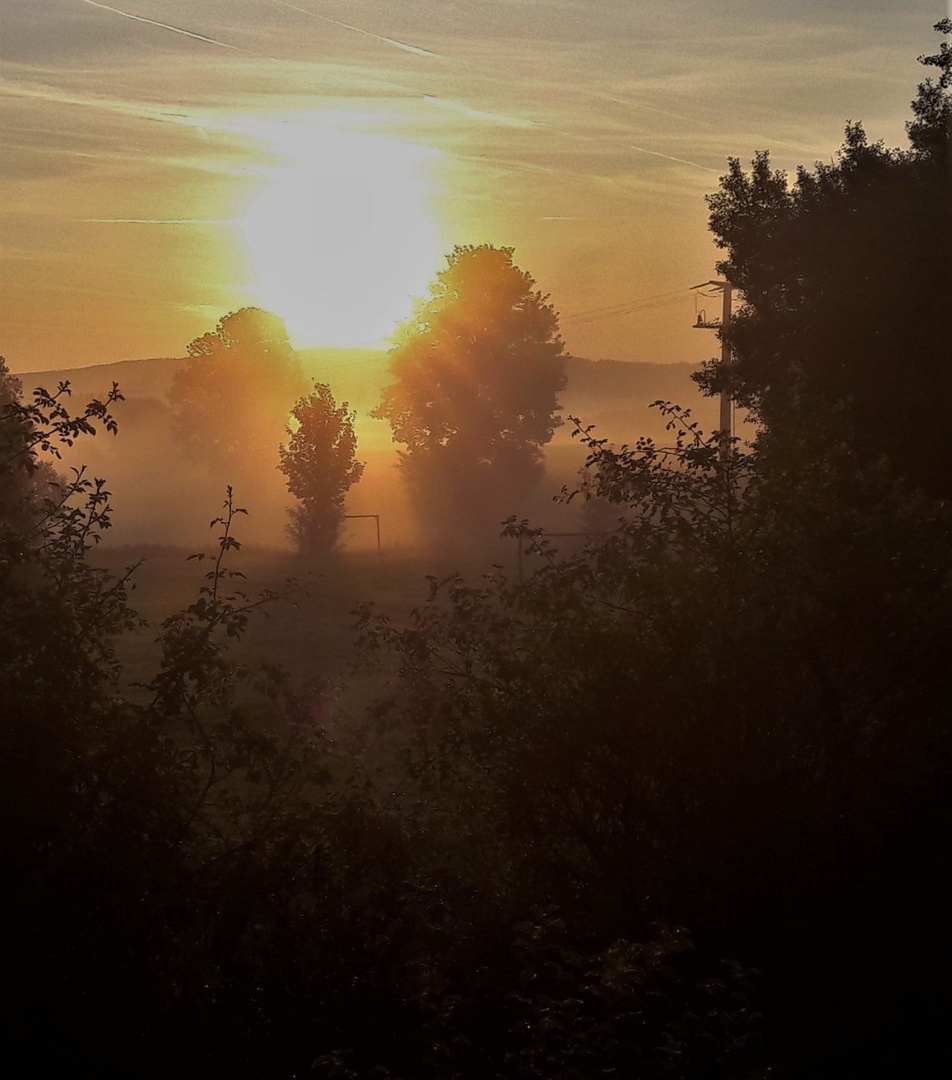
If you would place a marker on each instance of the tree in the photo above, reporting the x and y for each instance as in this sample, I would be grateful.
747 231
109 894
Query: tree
14 463
231 401
32 493
320 465
192 874
843 333
476 372
732 712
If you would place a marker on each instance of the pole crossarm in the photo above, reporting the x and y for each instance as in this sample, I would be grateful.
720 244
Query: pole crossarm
727 409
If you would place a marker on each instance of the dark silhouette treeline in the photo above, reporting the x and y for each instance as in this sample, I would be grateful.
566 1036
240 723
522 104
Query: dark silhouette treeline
675 806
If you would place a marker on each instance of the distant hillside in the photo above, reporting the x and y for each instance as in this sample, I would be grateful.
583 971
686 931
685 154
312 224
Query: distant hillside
164 496
615 396
137 378
608 393
597 381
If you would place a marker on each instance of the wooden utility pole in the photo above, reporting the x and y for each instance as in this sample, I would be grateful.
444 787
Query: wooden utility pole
727 411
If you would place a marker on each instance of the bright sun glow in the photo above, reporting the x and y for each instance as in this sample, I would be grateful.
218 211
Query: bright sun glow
340 233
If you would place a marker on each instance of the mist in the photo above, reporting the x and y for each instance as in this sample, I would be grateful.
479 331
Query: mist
163 495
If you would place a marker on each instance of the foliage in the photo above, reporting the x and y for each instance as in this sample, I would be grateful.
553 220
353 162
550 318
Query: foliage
476 372
716 714
197 881
124 811
231 400
643 1008
320 464
14 470
844 275
26 477
730 713
931 130
53 603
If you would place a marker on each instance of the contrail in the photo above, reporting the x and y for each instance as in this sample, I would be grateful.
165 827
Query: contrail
635 105
668 157
415 49
154 221
164 26
478 114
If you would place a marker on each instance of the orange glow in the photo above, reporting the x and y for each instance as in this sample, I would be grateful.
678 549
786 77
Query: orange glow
340 234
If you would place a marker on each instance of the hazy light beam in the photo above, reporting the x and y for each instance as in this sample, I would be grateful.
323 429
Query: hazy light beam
162 25
415 49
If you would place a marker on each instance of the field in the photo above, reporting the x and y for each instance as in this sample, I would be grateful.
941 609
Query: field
310 631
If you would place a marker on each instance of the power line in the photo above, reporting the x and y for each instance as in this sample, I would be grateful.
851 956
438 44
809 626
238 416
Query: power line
608 307
615 310
624 303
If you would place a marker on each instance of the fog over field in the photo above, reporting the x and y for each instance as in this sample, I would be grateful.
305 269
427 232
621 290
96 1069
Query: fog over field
163 495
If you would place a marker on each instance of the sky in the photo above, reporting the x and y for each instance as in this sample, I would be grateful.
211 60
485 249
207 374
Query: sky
165 162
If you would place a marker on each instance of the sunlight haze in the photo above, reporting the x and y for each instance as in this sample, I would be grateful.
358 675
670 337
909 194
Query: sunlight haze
165 162
341 235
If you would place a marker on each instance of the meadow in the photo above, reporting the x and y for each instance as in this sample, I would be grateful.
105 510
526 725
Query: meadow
310 628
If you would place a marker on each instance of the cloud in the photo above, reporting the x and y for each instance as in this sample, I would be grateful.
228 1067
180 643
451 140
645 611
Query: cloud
155 221
560 124
414 49
478 114
44 92
670 157
162 25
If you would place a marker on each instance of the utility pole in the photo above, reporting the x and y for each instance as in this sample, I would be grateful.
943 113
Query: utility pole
727 412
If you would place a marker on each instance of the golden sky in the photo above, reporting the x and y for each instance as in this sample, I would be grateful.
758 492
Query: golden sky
164 162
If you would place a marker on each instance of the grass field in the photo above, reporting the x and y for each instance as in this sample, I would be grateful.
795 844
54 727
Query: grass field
311 632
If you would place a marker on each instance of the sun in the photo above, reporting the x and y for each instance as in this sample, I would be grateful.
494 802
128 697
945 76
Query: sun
340 233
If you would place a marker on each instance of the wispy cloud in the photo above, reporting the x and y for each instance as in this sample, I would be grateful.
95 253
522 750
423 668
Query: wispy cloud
155 221
478 114
22 89
162 25
415 49
639 105
670 157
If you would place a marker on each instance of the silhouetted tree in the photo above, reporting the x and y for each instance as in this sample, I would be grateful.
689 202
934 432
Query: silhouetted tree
30 436
719 713
320 464
733 709
14 464
845 279
194 879
731 712
232 399
477 369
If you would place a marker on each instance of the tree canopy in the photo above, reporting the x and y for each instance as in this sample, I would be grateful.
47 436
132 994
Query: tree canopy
476 372
231 401
319 461
843 332
14 470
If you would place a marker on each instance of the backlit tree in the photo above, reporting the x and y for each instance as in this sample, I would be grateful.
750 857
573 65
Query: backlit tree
232 399
320 464
477 370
